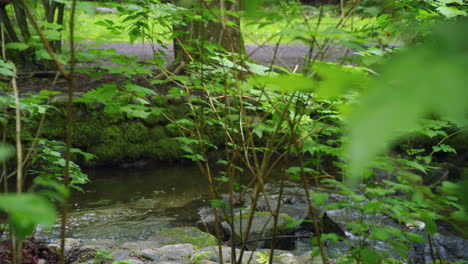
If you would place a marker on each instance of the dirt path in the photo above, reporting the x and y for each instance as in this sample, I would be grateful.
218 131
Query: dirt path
287 56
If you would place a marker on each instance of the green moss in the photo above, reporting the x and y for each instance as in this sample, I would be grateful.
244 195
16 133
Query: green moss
172 131
237 217
112 137
159 100
135 151
107 153
164 149
136 132
157 133
87 133
287 221
393 261
153 120
177 111
190 235
112 133
114 117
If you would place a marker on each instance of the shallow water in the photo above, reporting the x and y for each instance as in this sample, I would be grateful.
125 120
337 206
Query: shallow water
132 204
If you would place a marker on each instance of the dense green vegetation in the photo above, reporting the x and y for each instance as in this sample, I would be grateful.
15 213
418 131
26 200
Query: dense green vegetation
373 126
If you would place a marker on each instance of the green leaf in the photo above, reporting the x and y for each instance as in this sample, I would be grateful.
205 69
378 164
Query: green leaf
319 198
174 92
401 248
6 72
285 83
135 111
217 203
140 90
122 262
380 234
450 11
414 165
332 237
369 256
415 237
6 151
444 148
26 211
17 46
335 78
6 68
294 224
251 6
430 226
86 7
408 90
51 34
372 207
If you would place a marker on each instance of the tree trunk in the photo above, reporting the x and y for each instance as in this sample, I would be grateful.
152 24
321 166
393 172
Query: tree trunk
22 21
10 31
57 44
196 34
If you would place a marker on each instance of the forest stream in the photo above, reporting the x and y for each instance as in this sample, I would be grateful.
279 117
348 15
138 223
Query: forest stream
126 204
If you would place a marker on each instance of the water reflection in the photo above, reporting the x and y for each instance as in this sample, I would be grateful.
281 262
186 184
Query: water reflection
116 185
132 204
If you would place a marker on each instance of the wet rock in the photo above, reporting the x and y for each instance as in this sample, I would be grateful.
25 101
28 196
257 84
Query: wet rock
142 245
306 258
451 248
70 243
207 262
285 258
280 257
120 254
208 224
187 234
179 252
149 254
262 228
297 210
260 231
134 261
81 255
336 221
94 244
213 253
250 257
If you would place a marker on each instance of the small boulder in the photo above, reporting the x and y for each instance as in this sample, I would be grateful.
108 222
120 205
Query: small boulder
188 235
120 254
262 227
70 243
148 254
179 252
138 245
96 244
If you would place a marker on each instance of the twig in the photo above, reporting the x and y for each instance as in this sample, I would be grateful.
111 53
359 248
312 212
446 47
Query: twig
71 87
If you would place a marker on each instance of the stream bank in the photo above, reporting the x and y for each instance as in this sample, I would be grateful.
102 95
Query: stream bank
148 216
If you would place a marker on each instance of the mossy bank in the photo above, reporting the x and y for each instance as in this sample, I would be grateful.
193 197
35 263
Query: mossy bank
115 138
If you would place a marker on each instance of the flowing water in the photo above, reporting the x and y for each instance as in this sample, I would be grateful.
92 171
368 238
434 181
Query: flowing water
132 204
